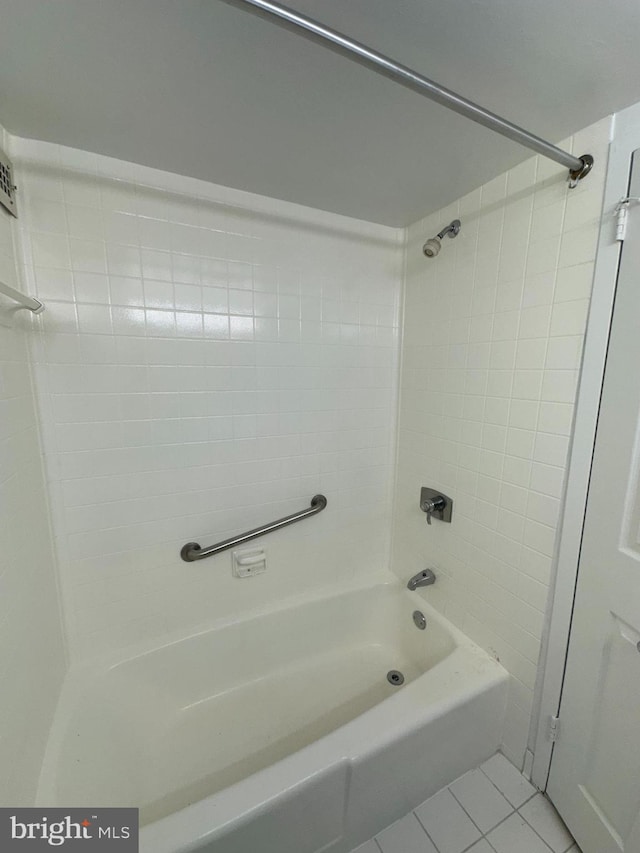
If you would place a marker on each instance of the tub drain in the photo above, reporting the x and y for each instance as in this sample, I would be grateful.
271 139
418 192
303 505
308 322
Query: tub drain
395 677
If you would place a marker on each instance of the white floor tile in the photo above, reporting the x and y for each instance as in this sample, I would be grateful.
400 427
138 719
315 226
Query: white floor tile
405 836
481 847
447 823
367 847
481 800
442 825
547 823
508 780
516 836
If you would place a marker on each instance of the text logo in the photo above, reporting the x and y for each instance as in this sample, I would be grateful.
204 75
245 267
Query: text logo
69 829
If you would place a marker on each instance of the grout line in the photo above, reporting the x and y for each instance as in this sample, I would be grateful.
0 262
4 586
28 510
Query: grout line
573 841
472 820
424 829
528 800
536 833
471 846
500 823
515 809
484 836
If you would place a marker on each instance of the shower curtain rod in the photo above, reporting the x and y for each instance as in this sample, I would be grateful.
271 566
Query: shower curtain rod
578 167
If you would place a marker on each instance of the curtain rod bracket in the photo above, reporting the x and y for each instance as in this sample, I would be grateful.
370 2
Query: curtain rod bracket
576 175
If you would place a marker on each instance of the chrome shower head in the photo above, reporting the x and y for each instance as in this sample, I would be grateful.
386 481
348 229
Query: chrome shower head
433 245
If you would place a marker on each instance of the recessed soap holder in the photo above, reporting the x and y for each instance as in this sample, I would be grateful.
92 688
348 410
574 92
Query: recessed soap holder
435 504
249 562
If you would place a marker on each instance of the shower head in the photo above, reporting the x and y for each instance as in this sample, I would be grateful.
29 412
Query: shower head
433 245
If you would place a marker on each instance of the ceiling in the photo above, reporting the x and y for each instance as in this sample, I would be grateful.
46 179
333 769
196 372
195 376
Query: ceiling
206 89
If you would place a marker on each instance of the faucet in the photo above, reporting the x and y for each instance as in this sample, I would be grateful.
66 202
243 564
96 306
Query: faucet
424 578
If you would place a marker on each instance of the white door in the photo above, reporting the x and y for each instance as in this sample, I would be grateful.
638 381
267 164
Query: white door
595 770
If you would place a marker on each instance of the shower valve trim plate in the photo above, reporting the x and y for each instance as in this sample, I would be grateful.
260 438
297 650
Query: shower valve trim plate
435 504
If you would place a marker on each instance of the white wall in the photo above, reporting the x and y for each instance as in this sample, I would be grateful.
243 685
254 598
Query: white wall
208 361
491 350
32 662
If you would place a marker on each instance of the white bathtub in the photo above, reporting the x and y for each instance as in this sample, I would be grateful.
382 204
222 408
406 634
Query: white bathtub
279 733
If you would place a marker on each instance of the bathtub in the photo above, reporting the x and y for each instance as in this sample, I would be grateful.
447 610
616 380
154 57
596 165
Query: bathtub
279 733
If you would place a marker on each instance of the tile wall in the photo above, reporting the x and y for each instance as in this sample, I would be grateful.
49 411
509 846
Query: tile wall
208 361
492 342
32 659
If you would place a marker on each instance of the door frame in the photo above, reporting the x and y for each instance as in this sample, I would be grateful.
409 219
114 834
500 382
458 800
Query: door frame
625 140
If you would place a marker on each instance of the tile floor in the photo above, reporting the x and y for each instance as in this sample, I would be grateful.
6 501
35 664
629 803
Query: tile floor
492 809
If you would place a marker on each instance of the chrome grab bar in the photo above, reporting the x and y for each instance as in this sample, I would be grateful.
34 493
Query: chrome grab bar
192 551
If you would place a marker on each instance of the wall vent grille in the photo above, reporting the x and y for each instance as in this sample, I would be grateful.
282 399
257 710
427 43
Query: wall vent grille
7 186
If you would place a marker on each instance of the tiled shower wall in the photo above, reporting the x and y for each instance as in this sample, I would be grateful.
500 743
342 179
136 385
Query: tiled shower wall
32 660
208 361
492 342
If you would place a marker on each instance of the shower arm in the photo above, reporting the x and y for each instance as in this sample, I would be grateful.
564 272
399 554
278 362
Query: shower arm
579 167
453 229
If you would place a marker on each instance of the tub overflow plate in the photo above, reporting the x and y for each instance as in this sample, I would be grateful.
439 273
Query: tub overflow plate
395 677
419 619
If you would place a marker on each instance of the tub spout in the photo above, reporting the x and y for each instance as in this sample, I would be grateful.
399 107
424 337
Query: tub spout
423 578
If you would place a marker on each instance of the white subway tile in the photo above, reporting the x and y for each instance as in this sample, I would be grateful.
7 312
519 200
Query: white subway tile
579 245
543 508
54 284
569 318
50 250
535 322
513 497
564 353
551 449
88 255
574 283
523 414
555 417
527 384
531 354
539 537
547 479
91 287
559 386
503 355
